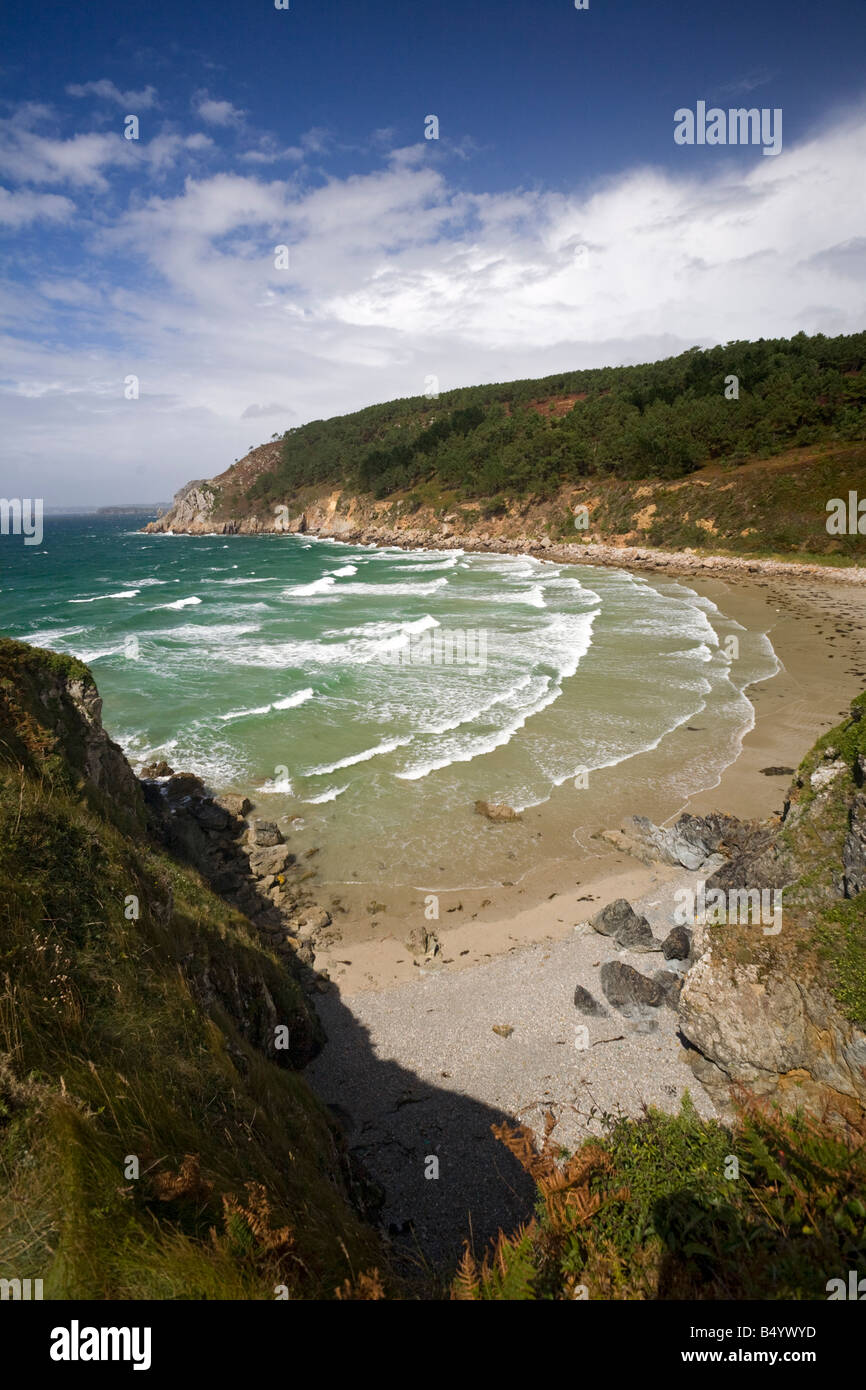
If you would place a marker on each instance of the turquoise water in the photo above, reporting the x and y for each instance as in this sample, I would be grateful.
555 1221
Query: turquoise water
302 671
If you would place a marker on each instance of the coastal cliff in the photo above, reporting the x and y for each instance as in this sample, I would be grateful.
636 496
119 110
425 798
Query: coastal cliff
774 1000
157 1139
765 519
750 450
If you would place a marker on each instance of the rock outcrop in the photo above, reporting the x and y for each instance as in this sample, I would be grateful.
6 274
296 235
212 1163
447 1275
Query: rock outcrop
620 921
52 714
775 1005
497 811
247 862
781 1009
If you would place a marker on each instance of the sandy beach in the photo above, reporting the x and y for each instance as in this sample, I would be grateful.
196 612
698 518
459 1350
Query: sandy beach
817 629
433 1075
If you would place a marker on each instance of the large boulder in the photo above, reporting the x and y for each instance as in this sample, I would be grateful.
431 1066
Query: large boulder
620 921
266 833
694 842
628 990
269 859
237 806
676 945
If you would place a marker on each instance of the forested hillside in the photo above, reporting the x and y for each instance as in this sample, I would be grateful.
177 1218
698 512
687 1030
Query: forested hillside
659 420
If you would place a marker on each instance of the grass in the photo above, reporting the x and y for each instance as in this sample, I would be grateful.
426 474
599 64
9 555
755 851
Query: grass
136 1015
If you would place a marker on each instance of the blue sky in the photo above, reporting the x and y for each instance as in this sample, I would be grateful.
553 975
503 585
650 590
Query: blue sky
554 223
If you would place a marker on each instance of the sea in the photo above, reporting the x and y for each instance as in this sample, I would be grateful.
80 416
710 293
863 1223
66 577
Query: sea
365 698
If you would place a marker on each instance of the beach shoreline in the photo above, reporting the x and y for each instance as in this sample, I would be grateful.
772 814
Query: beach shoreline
814 618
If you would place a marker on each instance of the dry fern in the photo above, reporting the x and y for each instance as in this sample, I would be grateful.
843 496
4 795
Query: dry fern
367 1288
467 1280
187 1182
257 1216
567 1189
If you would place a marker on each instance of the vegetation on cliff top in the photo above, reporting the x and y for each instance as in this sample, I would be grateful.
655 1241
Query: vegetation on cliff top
662 419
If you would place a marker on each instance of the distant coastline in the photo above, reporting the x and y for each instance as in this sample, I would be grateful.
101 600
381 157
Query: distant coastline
119 509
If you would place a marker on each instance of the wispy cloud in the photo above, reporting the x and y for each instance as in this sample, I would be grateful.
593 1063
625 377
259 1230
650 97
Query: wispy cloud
748 82
392 275
17 209
133 101
220 113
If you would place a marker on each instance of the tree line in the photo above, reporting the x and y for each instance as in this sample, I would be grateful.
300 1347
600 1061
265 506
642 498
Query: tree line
661 419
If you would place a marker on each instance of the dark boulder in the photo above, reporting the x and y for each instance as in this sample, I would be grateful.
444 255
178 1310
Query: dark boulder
627 989
630 932
266 833
670 984
586 1004
676 945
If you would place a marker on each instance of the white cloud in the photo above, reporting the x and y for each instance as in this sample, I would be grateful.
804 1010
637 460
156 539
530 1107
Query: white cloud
215 112
395 275
29 157
258 412
133 101
16 209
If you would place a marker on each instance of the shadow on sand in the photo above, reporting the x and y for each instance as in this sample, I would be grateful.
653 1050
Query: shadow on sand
396 1124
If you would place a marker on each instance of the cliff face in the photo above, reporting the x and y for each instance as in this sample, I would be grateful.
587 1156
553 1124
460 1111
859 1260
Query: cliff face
782 1011
51 717
714 518
157 1139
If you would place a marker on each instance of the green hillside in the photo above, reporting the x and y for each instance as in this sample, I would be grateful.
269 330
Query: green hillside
529 438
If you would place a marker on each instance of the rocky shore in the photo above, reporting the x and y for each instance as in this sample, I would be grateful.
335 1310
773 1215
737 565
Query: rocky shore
365 522
247 862
634 1007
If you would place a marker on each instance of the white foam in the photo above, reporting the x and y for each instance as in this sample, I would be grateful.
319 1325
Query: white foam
477 747
53 634
182 603
318 586
330 795
534 597
124 593
269 579
243 713
387 747
205 633
385 629
292 701
394 590
282 787
344 571
300 697
432 565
